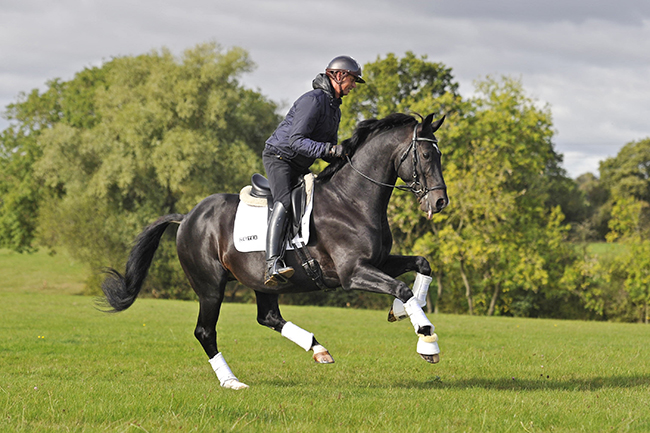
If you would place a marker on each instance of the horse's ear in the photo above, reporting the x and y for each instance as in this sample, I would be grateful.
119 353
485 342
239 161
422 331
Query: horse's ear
437 124
426 124
431 127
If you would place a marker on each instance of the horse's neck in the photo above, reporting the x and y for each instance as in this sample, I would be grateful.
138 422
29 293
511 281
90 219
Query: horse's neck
376 162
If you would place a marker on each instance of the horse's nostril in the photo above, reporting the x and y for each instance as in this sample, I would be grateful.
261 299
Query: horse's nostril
440 204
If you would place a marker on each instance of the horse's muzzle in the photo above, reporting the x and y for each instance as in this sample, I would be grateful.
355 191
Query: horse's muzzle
434 201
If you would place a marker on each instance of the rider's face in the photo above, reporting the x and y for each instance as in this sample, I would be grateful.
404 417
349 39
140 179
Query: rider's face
348 83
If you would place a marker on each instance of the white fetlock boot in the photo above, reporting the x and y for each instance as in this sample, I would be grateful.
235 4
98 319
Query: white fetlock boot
226 378
420 290
427 344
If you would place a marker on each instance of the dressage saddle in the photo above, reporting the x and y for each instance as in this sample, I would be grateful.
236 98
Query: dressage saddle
260 189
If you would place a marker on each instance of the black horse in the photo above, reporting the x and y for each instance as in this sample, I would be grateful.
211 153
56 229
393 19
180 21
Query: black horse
349 237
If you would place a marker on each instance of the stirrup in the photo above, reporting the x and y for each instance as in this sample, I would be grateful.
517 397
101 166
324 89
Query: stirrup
276 274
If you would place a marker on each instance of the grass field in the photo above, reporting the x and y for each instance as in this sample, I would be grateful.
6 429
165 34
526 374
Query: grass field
40 273
605 249
64 366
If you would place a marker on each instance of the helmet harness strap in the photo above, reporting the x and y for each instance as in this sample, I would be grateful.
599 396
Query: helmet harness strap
332 75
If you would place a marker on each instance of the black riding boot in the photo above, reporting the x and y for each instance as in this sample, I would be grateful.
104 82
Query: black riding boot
276 271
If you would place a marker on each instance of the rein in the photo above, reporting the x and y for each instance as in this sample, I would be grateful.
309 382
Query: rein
415 187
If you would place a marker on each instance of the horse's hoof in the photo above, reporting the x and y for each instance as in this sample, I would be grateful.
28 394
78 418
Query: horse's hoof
397 312
432 359
234 384
323 358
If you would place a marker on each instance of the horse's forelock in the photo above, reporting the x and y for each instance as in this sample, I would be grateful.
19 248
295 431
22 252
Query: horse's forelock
364 129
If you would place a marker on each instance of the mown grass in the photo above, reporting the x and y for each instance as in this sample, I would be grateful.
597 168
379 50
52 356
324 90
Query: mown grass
605 249
41 272
64 366
68 367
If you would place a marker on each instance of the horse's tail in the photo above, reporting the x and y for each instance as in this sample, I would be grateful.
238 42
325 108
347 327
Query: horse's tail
122 290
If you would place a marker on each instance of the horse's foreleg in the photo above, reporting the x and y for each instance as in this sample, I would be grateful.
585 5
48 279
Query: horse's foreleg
372 279
268 314
396 265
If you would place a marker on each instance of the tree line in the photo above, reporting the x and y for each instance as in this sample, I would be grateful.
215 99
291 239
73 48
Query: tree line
87 163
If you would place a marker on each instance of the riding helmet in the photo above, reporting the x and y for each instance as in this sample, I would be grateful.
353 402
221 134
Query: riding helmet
347 64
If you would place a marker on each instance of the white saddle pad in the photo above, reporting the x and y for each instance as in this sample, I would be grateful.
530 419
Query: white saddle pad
251 222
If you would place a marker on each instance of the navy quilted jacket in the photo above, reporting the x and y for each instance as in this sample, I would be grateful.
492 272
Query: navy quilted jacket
310 127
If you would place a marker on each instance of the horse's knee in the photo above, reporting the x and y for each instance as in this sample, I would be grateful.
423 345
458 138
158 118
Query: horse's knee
403 293
271 321
423 265
204 335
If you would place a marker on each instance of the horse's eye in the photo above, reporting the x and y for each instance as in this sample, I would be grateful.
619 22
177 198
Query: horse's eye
426 155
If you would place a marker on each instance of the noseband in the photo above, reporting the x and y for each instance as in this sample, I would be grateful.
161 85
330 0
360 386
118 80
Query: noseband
415 186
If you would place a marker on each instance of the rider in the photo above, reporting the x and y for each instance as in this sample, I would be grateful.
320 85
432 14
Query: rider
309 131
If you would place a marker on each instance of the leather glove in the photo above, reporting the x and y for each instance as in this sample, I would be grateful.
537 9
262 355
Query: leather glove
337 151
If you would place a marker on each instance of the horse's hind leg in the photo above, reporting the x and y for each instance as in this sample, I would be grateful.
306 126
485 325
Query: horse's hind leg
210 287
268 314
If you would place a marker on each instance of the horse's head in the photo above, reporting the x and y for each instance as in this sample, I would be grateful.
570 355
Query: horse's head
415 158
420 167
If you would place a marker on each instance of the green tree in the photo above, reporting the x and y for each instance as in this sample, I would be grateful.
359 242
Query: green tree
19 191
634 262
628 173
396 85
597 208
500 242
140 137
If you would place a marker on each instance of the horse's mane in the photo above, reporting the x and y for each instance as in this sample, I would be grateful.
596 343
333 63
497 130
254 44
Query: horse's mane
364 129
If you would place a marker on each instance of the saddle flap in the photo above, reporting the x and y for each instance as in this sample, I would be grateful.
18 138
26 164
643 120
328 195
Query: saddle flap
251 219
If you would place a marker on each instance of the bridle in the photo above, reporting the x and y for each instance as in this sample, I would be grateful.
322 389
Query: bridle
416 187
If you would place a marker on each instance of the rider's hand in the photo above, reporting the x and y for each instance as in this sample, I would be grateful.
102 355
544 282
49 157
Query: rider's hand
337 151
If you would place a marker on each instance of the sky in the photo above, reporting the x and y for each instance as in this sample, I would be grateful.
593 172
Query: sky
588 60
